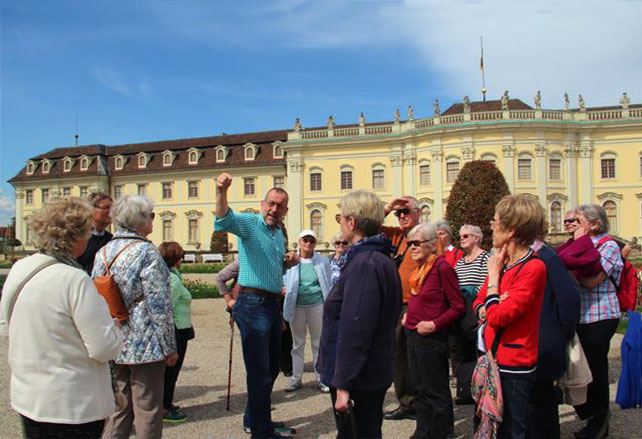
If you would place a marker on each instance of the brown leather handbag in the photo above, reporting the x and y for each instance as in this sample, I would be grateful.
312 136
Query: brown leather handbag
108 288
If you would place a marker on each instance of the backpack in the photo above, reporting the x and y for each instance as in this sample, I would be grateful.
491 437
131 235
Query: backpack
629 287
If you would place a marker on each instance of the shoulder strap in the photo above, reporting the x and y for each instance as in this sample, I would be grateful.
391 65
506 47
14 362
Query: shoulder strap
603 241
599 244
108 266
24 282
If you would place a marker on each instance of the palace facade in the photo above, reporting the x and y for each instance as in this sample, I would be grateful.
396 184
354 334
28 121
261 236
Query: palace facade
563 157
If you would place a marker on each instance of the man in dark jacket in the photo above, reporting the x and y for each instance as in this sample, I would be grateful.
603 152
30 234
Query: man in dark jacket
560 313
101 203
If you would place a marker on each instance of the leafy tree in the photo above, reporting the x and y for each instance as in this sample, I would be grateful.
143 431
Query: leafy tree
218 243
478 188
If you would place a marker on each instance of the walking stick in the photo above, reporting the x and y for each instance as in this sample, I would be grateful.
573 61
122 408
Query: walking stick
229 371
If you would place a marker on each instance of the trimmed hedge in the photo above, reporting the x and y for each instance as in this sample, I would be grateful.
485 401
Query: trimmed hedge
201 268
201 290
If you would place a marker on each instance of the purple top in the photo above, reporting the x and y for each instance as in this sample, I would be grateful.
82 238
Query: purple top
580 256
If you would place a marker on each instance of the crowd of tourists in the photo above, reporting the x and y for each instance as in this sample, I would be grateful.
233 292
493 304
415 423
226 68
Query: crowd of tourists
393 305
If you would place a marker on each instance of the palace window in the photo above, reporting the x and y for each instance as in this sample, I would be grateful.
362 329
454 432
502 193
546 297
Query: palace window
84 164
118 163
555 168
193 230
193 158
29 196
66 192
249 186
27 233
192 189
118 191
378 179
168 230
489 157
316 223
250 152
425 214
46 167
424 175
277 151
524 169
611 214
279 181
607 165
67 165
346 180
84 191
167 191
220 154
556 217
142 161
452 171
315 181
142 189
44 195
167 160
30 168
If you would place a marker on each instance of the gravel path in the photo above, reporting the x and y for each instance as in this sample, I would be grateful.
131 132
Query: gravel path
202 388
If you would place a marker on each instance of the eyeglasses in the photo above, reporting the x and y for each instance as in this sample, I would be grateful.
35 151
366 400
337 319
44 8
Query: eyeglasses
308 240
404 211
416 243
464 236
341 243
338 217
570 220
103 207
152 215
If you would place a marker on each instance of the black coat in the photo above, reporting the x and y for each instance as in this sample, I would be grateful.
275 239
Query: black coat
560 313
95 243
359 318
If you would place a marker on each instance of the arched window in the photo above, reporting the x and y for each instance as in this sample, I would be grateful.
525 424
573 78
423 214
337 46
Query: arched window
30 168
67 165
45 167
316 223
84 164
249 153
611 214
193 158
167 160
141 161
556 217
220 155
425 214
118 163
277 152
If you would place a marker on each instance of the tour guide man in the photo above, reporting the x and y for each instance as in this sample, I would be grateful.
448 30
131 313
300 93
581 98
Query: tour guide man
257 313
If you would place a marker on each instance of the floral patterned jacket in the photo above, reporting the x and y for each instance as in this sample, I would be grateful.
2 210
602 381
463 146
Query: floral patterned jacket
143 279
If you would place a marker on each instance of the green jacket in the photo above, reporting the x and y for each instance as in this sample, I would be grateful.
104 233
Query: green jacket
181 300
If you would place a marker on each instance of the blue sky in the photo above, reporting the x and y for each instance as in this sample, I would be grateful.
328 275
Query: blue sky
153 70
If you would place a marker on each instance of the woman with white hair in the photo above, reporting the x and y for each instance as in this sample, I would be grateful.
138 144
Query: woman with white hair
142 277
61 335
359 318
445 234
337 260
435 305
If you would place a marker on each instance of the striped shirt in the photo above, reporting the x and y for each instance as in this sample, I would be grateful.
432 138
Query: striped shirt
600 302
261 250
472 274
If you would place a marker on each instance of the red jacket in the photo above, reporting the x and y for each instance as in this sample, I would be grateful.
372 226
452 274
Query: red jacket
518 315
453 255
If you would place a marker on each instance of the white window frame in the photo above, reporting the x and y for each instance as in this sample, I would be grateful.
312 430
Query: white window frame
608 156
314 171
246 149
347 169
277 150
425 164
246 184
525 157
85 162
452 161
31 167
558 157
378 167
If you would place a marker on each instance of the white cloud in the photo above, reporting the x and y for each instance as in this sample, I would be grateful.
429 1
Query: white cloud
117 82
7 208
545 45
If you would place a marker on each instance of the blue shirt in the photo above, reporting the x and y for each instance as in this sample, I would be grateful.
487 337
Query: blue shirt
261 250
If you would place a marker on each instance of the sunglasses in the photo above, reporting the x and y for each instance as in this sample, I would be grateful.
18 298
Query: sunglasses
464 236
416 243
570 220
400 212
152 215
309 240
341 243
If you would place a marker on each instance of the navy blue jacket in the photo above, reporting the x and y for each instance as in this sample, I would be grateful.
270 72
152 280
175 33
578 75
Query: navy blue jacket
560 313
359 318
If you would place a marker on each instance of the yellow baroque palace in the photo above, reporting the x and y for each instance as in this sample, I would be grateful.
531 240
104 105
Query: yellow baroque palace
563 157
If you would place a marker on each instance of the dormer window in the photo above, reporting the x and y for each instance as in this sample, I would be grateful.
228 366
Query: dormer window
143 159
277 150
249 151
221 154
46 166
193 156
168 158
119 162
67 165
30 167
84 163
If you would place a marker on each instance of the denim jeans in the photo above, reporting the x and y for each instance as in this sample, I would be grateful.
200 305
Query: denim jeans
259 322
516 391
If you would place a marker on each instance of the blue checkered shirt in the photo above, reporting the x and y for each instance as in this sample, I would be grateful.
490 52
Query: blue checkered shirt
261 250
600 302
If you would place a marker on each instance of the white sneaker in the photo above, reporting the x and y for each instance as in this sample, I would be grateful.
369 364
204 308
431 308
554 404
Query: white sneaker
323 388
294 385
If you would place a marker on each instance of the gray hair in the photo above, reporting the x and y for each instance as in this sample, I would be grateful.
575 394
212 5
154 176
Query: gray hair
131 212
60 223
595 215
414 204
445 226
97 197
367 210
427 231
474 230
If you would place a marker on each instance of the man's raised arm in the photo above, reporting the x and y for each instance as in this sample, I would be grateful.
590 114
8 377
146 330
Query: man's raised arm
223 183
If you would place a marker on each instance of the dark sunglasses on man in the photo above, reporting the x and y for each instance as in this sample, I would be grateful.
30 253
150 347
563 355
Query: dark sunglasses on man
344 243
404 211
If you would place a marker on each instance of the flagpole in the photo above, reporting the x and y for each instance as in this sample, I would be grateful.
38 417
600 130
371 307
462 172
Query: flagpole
481 66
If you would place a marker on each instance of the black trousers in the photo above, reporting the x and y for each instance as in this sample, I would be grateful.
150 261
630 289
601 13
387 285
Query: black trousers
367 413
171 373
285 363
428 364
47 430
516 390
402 382
544 414
596 342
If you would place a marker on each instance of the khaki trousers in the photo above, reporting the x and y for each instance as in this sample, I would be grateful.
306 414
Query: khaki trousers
140 387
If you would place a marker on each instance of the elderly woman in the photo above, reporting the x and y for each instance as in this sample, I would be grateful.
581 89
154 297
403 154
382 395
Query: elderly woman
435 305
336 262
445 234
510 303
599 315
172 254
359 318
471 271
55 317
142 277
306 287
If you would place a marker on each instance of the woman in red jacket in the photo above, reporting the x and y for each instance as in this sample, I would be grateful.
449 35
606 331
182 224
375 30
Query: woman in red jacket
435 305
510 302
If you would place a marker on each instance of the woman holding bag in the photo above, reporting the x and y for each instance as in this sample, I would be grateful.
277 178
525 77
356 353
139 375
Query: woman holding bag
509 305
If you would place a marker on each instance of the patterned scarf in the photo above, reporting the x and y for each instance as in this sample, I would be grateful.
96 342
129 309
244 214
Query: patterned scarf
486 390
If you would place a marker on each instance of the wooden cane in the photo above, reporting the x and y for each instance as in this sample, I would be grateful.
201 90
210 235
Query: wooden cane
229 371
